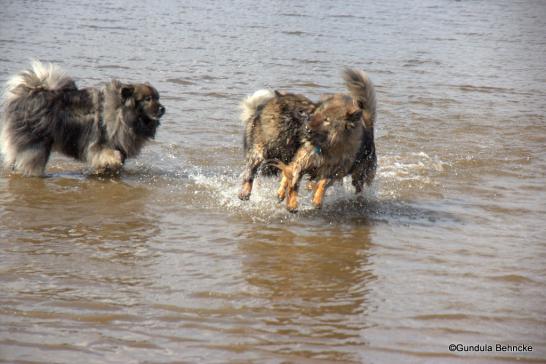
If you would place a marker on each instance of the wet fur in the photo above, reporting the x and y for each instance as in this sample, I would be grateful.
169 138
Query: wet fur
274 129
44 111
343 143
363 92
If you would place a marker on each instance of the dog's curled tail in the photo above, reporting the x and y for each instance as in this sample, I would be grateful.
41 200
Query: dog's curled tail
39 77
362 90
250 104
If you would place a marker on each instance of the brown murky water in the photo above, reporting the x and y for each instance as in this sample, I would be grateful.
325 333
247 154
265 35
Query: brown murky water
166 265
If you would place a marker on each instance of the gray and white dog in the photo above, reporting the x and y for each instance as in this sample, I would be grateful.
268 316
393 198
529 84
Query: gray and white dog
44 111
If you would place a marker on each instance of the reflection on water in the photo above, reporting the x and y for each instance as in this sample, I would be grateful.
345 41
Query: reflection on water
165 264
63 233
82 210
314 288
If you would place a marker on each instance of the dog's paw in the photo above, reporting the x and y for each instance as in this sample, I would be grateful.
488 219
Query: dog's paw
317 201
292 201
292 210
244 195
114 161
111 162
281 194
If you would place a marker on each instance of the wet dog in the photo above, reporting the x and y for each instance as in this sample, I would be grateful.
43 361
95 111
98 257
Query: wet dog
343 143
274 130
45 111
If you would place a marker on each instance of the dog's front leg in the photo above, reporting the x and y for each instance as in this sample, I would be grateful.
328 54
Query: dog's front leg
287 176
311 186
106 160
281 192
320 190
293 186
292 200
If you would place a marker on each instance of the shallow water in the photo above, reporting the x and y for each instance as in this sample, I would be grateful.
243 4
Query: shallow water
165 264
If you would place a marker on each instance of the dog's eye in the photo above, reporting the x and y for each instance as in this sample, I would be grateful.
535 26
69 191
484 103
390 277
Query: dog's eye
147 98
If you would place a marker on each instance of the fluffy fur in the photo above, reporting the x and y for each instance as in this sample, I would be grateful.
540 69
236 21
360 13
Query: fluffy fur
363 92
45 111
274 124
250 104
343 142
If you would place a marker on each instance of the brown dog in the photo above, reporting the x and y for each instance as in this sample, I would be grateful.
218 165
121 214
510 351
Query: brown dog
343 143
274 124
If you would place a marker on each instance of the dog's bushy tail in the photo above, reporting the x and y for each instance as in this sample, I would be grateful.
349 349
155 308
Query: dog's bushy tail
39 77
362 90
250 104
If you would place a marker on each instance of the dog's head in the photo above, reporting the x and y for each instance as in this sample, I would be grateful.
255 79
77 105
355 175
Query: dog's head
336 117
143 100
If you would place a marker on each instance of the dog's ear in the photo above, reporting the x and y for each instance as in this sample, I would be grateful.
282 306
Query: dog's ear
278 93
353 118
127 91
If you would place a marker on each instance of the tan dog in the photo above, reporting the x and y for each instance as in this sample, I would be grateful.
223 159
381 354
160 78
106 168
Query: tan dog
274 124
342 143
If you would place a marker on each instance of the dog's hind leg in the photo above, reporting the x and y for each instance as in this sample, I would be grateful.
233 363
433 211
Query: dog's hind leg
254 161
357 180
364 173
370 175
32 160
8 151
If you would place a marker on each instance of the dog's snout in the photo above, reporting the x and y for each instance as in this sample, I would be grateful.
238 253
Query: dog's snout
161 110
313 122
